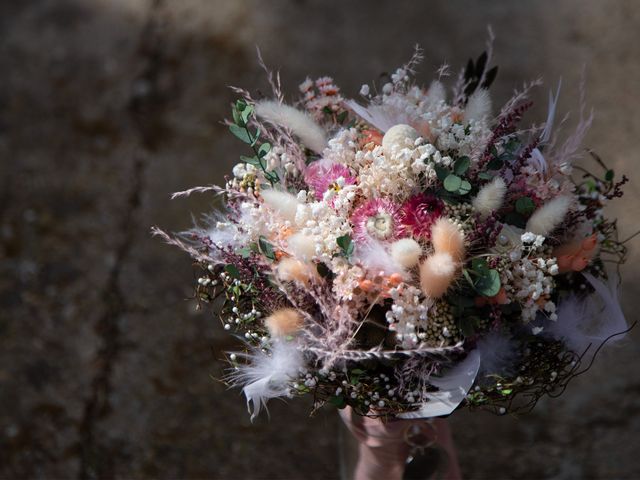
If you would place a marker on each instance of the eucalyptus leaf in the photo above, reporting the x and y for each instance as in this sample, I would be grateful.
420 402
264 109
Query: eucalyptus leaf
452 183
441 172
465 187
346 245
461 165
266 248
488 285
495 164
263 150
241 133
232 270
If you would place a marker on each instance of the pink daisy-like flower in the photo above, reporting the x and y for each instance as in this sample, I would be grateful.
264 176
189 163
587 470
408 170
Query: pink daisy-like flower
377 219
322 176
419 213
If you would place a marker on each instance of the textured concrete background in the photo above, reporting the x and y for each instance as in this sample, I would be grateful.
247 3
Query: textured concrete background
107 106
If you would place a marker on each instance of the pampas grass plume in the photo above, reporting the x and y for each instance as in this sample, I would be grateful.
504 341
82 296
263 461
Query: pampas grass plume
446 237
301 246
300 124
478 106
406 252
437 273
490 197
283 322
284 203
548 217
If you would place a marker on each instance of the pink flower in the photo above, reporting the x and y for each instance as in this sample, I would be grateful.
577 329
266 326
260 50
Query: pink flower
419 213
322 176
377 219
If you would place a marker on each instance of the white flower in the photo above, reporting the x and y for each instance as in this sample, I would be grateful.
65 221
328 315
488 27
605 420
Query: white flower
364 90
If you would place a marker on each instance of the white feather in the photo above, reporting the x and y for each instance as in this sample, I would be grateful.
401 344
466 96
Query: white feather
590 321
286 204
375 257
548 217
490 197
300 124
478 106
375 115
267 376
497 354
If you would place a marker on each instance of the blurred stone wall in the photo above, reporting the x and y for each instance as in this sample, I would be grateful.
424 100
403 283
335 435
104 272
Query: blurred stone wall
107 106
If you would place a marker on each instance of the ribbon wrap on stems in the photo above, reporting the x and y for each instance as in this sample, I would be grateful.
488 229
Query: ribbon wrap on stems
385 445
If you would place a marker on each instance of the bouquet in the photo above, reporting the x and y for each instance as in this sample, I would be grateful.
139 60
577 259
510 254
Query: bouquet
410 252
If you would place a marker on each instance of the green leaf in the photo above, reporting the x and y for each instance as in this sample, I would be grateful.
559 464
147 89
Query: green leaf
255 138
441 172
461 166
241 133
486 176
266 248
609 175
512 145
342 116
479 265
263 150
251 160
452 183
465 187
346 245
326 109
232 270
245 113
338 402
488 285
495 164
245 252
525 206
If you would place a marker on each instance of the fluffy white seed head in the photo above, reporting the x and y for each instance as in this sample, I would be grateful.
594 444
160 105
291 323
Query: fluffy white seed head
284 203
548 217
397 137
406 252
301 124
437 272
478 106
490 197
